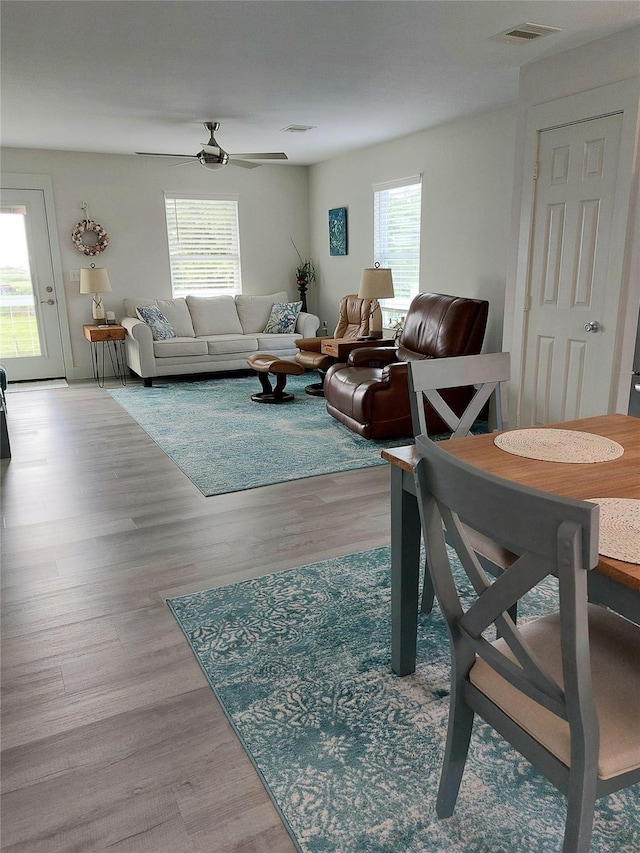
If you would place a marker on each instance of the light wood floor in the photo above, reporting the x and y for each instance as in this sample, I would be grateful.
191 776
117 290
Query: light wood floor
111 737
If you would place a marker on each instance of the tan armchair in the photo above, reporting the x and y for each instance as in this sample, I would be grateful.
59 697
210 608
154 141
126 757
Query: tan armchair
355 320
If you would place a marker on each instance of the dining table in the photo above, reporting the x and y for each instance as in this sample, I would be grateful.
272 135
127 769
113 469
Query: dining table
614 583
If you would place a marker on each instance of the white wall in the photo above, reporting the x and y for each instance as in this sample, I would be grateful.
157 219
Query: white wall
125 195
467 174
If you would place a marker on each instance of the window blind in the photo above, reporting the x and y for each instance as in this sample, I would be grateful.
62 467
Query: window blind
396 242
204 245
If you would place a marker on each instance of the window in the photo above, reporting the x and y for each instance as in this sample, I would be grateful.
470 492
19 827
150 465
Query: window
396 241
204 245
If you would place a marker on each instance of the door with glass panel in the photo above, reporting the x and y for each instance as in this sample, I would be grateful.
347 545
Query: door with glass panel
30 340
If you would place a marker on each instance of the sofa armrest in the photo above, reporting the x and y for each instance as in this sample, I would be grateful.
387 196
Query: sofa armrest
307 324
372 356
139 347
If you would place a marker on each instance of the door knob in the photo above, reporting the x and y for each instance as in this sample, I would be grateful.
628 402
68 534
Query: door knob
592 326
47 302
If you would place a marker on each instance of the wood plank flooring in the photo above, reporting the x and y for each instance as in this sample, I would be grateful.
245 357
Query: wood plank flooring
111 737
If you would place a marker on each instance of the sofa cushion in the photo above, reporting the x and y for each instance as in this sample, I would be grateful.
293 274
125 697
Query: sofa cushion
130 305
214 315
161 328
270 343
283 317
254 311
231 344
177 313
179 346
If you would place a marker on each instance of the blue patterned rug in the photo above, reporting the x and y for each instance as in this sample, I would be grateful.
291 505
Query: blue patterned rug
224 442
349 752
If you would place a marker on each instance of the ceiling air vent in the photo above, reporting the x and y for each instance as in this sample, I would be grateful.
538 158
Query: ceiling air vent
297 128
526 32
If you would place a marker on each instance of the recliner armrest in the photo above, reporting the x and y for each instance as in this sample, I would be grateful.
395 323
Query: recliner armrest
393 372
372 356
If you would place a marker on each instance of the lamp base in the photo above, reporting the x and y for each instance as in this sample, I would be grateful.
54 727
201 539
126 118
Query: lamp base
97 307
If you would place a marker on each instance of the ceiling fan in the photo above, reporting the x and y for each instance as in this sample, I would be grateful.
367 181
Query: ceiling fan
214 157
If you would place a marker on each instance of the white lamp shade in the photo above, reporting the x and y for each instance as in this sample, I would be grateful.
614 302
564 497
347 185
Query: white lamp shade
376 283
94 280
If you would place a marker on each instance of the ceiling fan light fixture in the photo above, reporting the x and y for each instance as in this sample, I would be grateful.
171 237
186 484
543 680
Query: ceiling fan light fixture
213 161
214 158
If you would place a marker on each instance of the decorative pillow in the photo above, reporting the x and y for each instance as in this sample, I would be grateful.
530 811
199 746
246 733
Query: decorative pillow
161 328
283 318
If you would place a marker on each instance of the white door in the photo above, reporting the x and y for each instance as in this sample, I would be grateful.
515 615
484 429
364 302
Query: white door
567 367
30 339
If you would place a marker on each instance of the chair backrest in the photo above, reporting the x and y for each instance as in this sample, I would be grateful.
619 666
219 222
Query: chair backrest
358 317
488 373
440 326
552 535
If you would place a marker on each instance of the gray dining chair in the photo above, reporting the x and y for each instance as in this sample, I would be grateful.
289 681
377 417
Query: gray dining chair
488 374
563 689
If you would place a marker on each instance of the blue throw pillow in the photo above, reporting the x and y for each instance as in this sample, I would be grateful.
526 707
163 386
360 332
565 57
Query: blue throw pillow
161 328
282 320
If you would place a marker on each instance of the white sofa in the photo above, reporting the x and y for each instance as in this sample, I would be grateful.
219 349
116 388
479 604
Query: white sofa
213 333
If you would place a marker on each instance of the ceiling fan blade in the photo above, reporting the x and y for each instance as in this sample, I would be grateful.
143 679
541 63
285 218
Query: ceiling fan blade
184 163
273 155
155 154
244 163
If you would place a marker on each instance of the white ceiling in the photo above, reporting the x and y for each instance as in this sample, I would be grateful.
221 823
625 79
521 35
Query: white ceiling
142 75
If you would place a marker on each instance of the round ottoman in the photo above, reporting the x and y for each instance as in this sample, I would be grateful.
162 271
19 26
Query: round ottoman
264 363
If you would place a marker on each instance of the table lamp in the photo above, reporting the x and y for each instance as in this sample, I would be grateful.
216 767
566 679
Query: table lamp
95 281
375 283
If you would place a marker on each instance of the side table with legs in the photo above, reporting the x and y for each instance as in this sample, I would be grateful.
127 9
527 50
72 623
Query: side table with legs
110 338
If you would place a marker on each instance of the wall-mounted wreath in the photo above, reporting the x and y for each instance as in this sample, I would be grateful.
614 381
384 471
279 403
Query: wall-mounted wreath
94 245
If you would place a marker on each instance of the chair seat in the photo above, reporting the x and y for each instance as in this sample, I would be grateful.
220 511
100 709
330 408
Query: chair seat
314 360
615 651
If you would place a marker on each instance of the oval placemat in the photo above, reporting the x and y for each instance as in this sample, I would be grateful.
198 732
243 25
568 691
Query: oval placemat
559 445
619 528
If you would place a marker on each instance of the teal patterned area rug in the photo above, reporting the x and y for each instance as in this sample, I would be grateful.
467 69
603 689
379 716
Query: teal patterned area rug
224 442
350 753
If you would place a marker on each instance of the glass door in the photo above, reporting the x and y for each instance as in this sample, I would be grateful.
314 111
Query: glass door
30 341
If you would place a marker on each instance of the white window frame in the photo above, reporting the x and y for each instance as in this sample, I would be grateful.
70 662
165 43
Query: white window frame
402 259
214 263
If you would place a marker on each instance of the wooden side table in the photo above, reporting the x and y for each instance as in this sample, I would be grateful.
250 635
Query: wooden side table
112 338
340 348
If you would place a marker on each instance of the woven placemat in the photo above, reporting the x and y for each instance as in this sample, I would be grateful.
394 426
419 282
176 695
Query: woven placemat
559 445
619 528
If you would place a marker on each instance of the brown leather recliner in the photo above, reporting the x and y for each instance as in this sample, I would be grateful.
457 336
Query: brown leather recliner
355 320
370 393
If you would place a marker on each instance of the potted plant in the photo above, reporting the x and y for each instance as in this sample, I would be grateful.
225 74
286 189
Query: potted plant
305 274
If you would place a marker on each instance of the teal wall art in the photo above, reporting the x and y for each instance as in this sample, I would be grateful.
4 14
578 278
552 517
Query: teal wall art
338 231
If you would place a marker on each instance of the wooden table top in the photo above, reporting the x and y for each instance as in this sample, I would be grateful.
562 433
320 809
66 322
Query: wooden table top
107 332
616 478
